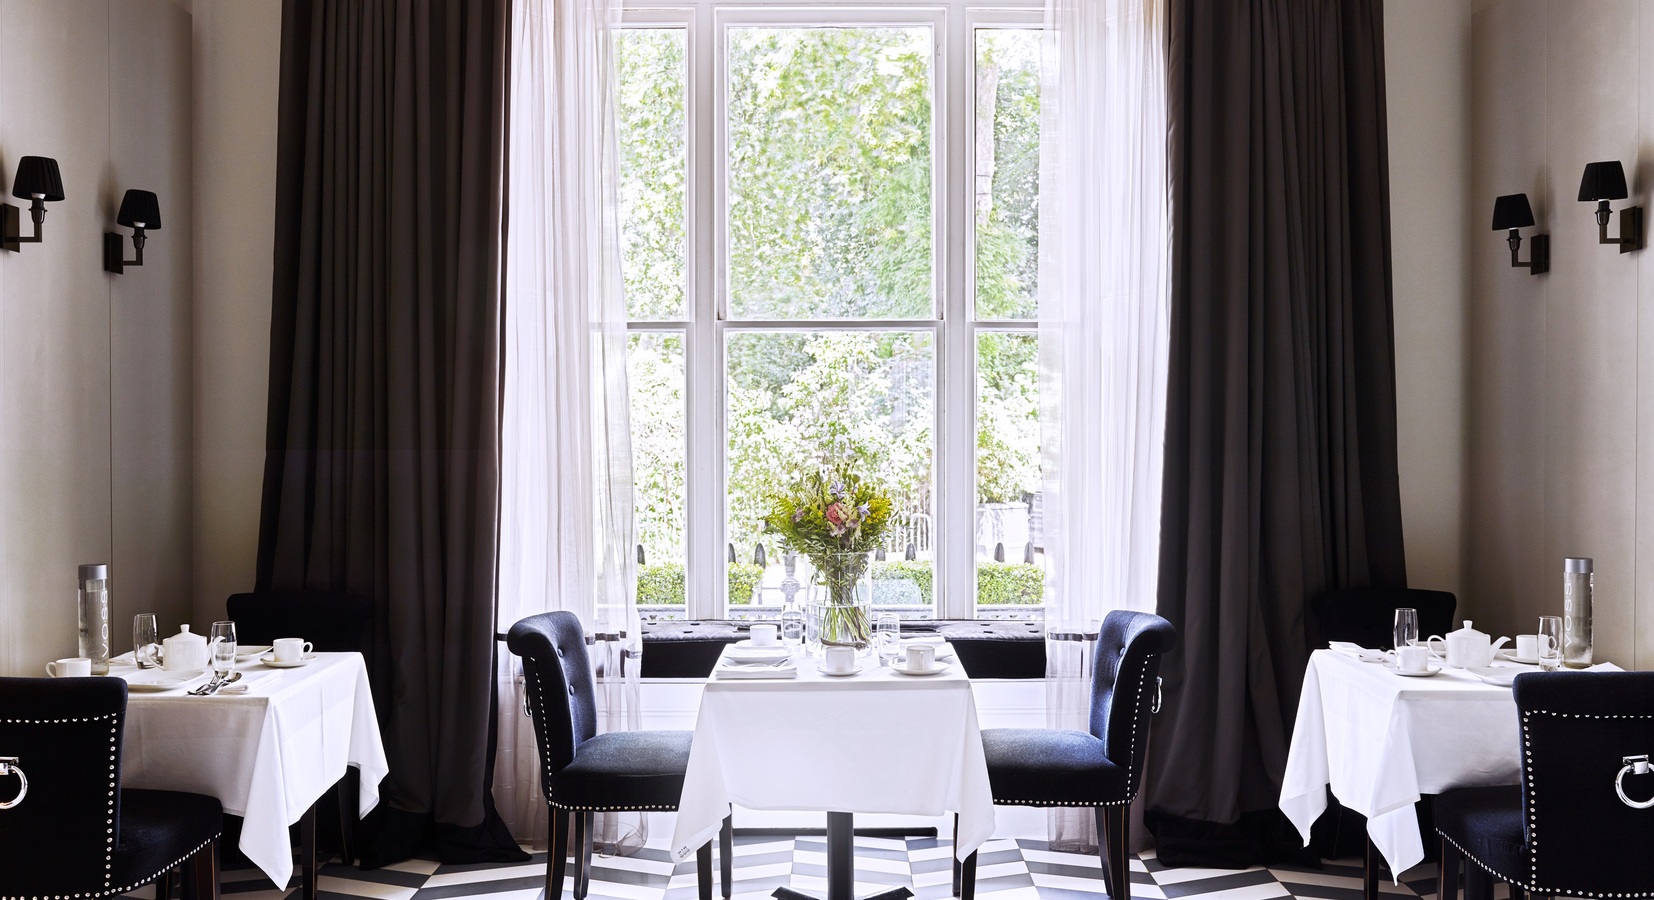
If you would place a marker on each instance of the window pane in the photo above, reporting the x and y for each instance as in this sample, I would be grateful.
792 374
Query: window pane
655 369
1010 555
801 402
653 170
829 172
1007 126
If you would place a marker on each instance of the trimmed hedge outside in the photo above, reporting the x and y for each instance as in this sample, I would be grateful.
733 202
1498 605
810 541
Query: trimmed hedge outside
661 584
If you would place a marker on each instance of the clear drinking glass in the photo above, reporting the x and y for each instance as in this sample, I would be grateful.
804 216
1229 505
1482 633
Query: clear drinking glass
1550 642
222 640
146 641
1406 632
887 636
792 629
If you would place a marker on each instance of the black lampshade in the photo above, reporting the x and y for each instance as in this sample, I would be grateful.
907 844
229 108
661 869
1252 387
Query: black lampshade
140 206
37 175
1603 181
1512 211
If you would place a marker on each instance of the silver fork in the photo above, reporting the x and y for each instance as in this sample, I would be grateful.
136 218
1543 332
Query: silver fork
211 685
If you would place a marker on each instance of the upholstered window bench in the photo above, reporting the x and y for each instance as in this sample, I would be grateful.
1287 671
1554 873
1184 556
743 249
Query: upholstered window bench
996 649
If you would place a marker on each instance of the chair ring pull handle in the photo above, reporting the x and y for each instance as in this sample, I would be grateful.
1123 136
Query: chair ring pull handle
9 766
1634 765
1157 696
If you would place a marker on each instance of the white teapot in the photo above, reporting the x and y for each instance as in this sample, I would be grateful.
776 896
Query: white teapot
184 652
1466 648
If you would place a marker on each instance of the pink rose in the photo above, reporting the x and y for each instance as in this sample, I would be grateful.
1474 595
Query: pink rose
835 517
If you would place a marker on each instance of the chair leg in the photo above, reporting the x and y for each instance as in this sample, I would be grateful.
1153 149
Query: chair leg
350 793
1113 841
557 851
582 853
726 854
204 871
307 854
703 870
967 876
163 885
1447 877
956 863
1478 883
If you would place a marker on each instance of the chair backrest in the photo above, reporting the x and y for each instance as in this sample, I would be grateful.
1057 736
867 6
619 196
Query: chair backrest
558 681
1576 729
66 736
1367 616
1124 686
334 621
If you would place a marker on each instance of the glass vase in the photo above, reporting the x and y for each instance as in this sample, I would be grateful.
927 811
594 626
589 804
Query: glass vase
840 610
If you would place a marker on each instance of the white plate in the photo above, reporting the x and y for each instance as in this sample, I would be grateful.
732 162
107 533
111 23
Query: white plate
1503 676
151 681
1432 670
900 666
1524 660
856 671
747 644
290 664
246 652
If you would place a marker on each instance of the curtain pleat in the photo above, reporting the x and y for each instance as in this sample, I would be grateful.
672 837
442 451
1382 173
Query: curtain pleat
1280 474
382 449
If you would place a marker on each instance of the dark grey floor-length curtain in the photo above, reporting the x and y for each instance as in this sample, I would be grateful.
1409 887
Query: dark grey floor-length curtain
1280 466
382 459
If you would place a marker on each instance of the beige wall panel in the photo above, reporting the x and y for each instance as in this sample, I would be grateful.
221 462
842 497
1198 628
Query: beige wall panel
1505 463
1591 321
237 65
54 330
1641 189
1427 63
149 92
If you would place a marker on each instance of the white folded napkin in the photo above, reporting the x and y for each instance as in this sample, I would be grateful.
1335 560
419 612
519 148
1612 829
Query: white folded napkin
757 653
727 671
1356 651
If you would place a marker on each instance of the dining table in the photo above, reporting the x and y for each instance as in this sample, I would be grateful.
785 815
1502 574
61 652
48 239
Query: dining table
1381 740
267 746
875 741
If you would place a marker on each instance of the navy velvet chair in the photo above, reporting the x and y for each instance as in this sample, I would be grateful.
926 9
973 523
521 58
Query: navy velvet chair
1102 767
1580 735
74 832
581 771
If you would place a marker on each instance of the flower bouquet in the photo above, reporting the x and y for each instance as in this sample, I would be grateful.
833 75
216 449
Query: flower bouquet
835 519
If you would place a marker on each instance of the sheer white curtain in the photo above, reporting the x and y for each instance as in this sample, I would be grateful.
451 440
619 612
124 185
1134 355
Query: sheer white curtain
1103 333
566 509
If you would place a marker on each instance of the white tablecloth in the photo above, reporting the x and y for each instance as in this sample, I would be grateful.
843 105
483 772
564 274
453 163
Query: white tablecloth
877 742
266 754
1382 740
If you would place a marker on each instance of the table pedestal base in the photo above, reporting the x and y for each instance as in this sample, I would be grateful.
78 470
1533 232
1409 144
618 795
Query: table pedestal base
841 866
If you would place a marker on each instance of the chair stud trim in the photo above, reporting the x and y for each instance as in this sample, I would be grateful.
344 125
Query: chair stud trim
109 892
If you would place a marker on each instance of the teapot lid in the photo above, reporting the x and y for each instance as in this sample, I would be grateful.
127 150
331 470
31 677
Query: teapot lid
184 633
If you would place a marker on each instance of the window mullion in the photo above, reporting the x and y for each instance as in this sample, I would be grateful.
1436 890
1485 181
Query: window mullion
705 463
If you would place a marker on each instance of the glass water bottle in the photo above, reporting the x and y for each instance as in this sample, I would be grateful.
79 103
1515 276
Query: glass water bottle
1577 581
94 616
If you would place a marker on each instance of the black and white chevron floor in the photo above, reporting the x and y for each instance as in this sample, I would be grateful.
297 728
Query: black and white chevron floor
1007 870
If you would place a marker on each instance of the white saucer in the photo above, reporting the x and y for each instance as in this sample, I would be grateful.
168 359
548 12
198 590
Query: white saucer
291 664
245 652
1503 676
1432 670
856 671
1524 660
900 666
155 681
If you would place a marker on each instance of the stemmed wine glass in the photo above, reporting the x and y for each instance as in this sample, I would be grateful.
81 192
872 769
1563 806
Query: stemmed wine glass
222 639
887 636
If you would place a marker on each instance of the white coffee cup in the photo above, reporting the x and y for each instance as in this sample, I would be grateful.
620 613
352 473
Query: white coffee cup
921 657
1413 658
1527 646
763 634
290 649
70 667
839 660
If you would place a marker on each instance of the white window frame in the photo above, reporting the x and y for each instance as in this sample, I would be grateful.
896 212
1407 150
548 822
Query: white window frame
953 24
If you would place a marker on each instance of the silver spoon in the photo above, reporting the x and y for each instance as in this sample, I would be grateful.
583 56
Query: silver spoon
209 687
234 677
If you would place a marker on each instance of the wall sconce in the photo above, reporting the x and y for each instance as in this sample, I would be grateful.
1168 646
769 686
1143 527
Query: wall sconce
1605 181
140 211
1512 211
37 181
